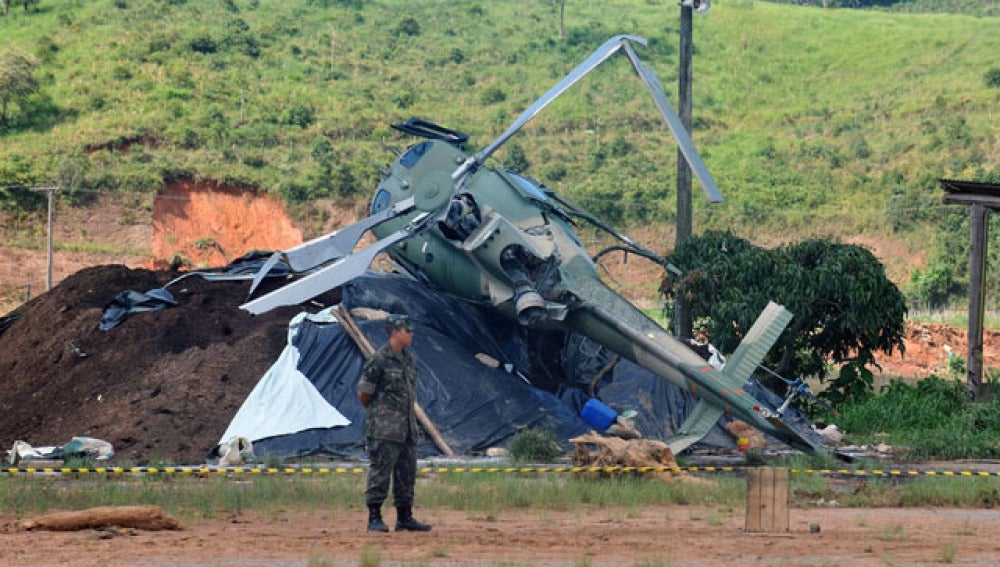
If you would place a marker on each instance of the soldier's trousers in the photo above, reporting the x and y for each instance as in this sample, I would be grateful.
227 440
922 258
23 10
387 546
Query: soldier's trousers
395 461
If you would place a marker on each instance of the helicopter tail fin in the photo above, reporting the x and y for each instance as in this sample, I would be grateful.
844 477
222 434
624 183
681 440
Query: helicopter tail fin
761 337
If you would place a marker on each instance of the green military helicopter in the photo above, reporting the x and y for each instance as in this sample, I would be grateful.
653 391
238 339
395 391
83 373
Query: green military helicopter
495 237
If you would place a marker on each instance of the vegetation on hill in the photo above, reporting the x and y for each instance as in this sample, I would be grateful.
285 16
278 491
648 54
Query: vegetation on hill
971 7
814 122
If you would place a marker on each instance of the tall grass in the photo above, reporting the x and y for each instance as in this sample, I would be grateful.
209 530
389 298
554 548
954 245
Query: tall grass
932 418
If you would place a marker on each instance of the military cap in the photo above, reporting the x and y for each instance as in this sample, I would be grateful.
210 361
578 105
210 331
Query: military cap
395 321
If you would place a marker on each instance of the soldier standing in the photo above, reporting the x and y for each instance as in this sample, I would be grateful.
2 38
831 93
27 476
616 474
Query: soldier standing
387 391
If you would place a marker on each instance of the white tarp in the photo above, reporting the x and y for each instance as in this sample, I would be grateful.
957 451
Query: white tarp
283 402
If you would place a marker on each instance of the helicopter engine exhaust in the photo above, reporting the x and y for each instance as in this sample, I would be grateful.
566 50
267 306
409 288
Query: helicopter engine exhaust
529 305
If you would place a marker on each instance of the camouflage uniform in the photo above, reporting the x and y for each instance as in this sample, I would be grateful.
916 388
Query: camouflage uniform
390 425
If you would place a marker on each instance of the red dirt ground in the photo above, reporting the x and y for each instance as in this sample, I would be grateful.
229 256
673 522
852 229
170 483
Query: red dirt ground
610 536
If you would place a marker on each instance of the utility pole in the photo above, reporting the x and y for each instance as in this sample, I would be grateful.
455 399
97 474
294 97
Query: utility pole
681 312
51 190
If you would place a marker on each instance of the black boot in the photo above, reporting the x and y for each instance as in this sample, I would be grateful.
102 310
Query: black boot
406 521
375 523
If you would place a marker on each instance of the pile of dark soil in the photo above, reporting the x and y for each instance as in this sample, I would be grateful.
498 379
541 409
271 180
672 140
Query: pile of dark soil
161 386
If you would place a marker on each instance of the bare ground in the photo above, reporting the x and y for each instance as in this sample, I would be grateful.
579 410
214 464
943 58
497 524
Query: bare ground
653 535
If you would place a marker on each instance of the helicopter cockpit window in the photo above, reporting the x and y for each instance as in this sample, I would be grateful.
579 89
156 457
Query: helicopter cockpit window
413 155
381 201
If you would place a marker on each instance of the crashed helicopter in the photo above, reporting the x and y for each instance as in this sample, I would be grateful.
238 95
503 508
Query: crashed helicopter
495 237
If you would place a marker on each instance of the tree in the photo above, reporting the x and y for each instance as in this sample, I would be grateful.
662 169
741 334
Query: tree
17 82
845 308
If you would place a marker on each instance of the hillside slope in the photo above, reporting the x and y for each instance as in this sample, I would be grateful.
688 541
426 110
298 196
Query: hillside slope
829 123
806 116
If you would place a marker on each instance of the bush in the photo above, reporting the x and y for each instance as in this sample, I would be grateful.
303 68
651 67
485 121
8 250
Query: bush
407 26
203 44
992 78
934 285
299 115
492 95
534 445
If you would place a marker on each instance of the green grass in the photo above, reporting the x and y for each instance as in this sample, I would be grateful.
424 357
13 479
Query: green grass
955 318
932 418
807 133
803 128
478 494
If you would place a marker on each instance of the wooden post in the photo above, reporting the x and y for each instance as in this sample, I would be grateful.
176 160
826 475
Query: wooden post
767 499
977 274
48 275
48 247
682 312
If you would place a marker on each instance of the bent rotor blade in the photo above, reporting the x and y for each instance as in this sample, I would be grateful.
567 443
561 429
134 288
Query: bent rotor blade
596 58
263 271
341 242
336 244
677 128
336 274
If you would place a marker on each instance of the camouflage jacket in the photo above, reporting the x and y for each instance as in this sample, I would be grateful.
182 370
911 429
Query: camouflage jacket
391 380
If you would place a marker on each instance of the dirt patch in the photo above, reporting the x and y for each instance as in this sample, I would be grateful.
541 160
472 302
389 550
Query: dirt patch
200 225
929 348
612 536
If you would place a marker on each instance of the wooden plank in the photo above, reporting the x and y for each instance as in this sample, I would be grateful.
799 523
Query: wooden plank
766 499
753 500
779 504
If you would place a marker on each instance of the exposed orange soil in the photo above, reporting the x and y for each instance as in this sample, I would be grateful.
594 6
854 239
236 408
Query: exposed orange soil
213 225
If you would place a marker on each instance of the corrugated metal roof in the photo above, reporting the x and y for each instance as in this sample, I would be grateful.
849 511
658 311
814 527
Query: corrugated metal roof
971 192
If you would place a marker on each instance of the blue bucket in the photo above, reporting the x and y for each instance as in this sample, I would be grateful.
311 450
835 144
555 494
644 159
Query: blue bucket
598 414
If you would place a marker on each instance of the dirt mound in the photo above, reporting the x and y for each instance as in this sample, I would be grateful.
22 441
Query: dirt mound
159 386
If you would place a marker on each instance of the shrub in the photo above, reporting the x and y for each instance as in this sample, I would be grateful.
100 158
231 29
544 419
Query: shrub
516 160
203 44
492 95
299 115
407 26
992 78
534 445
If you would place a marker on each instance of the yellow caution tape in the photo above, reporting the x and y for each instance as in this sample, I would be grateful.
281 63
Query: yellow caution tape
306 470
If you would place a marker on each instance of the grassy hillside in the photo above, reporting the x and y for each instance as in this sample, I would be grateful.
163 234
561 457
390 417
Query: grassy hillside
814 122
